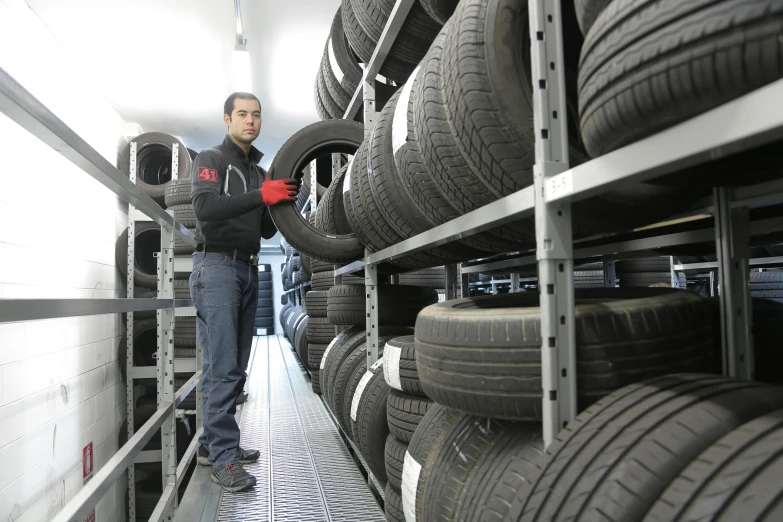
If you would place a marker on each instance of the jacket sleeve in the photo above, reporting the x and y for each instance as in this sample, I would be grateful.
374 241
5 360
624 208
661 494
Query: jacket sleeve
209 204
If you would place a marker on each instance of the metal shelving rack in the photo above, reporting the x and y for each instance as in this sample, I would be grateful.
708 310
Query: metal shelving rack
27 111
733 127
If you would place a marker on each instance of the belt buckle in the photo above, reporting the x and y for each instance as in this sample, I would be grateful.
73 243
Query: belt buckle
253 260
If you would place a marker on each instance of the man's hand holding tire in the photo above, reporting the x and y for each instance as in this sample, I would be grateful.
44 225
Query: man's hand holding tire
275 191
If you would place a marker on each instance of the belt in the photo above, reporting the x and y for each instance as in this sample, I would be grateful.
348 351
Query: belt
247 257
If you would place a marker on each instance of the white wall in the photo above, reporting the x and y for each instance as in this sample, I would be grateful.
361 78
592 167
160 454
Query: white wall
60 384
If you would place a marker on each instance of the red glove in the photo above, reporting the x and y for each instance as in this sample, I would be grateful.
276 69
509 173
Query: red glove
275 191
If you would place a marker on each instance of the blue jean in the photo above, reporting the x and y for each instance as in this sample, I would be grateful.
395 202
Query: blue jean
225 292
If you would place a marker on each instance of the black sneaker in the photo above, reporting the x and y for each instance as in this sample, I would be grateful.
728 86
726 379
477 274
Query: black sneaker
233 477
245 456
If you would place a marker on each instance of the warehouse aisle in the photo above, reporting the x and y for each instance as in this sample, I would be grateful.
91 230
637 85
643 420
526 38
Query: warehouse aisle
305 471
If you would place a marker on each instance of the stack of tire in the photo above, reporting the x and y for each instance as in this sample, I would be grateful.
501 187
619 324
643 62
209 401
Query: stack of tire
639 273
356 29
590 275
356 395
767 285
406 406
320 332
479 359
265 311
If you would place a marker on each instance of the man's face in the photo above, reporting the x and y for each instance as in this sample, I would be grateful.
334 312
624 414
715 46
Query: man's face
244 124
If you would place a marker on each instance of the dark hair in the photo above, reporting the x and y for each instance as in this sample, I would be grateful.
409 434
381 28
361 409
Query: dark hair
228 107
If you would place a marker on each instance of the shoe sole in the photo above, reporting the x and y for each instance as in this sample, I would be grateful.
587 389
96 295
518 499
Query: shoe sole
234 489
202 461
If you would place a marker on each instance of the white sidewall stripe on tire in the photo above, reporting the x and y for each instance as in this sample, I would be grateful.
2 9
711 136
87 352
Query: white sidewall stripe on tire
400 119
347 177
410 485
357 396
328 349
338 73
391 366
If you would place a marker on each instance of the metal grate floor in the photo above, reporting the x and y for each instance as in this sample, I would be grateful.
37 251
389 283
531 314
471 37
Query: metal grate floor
305 472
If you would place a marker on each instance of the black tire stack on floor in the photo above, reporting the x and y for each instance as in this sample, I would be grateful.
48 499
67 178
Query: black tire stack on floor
320 331
479 359
640 273
265 312
590 275
406 406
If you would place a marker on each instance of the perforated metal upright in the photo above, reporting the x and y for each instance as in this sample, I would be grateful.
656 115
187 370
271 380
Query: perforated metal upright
554 244
732 233
130 401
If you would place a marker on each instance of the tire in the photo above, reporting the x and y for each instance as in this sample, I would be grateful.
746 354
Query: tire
320 330
429 278
649 278
178 192
153 163
330 106
145 343
319 266
364 46
283 299
587 11
439 10
181 289
502 470
193 154
146 244
316 304
296 263
182 246
185 332
404 413
345 383
333 86
450 173
300 341
637 266
345 66
399 366
461 449
264 276
368 413
315 352
315 381
185 215
615 459
461 366
393 505
395 458
337 136
386 200
421 456
398 305
265 312
322 281
745 464
330 214
664 61
334 356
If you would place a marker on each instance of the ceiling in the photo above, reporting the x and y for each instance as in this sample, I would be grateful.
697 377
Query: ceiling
167 65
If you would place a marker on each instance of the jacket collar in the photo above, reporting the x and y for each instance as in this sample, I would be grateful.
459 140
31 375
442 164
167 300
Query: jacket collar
254 155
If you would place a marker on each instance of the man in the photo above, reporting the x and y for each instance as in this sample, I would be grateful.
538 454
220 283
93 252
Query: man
230 194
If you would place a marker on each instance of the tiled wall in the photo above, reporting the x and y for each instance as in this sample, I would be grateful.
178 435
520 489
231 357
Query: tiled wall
60 386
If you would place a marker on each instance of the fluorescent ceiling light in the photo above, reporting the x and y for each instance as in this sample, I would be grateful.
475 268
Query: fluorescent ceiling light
240 69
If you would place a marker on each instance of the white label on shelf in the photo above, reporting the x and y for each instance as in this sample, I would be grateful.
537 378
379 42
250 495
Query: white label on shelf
391 366
347 178
560 185
338 73
328 349
400 119
357 396
410 485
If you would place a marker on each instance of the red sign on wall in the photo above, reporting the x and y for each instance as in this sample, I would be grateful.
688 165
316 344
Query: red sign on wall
87 461
91 516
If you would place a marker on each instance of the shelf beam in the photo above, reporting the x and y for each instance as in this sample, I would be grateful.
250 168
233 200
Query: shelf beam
36 309
27 111
730 128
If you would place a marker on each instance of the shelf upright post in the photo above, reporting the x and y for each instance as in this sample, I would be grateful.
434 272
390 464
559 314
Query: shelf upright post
371 293
368 92
675 280
514 283
130 402
610 272
465 287
732 234
451 281
554 245
166 320
313 186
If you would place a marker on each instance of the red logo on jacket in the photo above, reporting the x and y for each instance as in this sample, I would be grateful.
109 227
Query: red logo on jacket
207 174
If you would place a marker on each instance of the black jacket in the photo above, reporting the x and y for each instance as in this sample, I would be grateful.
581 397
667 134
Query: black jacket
230 211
